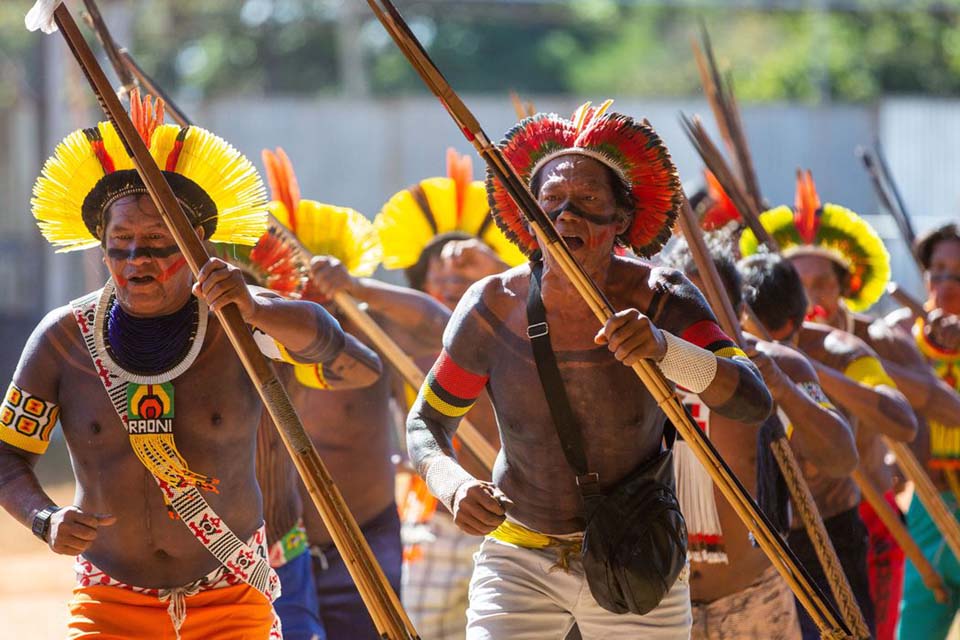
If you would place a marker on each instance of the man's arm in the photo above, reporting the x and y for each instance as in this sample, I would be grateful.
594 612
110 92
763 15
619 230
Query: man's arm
915 379
449 392
866 391
37 381
412 318
308 334
690 349
819 431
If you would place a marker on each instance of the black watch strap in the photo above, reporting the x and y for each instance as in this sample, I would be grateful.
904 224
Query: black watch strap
41 522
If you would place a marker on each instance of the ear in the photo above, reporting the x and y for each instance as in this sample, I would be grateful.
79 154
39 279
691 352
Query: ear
784 332
624 223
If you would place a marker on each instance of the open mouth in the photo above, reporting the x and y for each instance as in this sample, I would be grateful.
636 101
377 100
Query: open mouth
141 279
573 242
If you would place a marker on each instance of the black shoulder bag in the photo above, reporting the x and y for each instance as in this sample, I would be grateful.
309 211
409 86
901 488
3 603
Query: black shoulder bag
635 542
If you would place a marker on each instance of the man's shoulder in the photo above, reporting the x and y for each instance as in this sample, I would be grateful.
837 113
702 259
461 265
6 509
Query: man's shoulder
499 290
60 322
792 362
839 343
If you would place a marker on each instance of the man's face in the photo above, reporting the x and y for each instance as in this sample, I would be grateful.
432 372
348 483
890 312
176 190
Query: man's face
820 281
446 282
151 274
943 276
576 193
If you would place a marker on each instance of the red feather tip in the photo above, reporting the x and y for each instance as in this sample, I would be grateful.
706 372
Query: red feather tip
283 182
720 208
145 115
460 170
807 207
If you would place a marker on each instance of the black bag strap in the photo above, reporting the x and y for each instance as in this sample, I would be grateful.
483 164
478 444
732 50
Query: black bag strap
571 438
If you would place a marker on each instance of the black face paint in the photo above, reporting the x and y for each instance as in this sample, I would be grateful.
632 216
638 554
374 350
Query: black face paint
155 253
937 278
580 213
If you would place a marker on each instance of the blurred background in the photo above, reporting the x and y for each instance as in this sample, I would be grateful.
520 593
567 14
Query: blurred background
815 79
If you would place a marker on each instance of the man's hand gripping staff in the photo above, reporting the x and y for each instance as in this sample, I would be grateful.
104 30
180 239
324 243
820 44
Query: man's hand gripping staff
652 378
389 617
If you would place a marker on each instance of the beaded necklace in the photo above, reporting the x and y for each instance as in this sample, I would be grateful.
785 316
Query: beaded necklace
151 345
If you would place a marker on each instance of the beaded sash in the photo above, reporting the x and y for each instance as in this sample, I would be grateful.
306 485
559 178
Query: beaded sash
183 497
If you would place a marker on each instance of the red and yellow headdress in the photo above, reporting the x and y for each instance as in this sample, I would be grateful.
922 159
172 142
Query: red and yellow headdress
323 229
830 231
216 185
413 217
630 148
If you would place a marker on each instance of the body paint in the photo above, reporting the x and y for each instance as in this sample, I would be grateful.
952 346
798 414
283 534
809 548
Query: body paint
155 253
580 213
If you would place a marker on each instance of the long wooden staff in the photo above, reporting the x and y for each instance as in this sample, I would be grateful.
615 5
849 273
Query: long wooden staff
780 447
911 468
389 618
783 559
401 362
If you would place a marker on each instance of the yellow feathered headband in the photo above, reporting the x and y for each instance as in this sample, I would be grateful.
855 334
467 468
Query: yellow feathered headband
414 216
323 229
830 231
217 186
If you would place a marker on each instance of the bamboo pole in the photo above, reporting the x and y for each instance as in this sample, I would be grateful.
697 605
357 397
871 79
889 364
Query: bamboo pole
390 620
780 447
822 613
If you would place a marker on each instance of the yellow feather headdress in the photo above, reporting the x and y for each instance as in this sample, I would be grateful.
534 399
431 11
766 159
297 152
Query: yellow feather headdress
323 229
414 216
217 186
833 232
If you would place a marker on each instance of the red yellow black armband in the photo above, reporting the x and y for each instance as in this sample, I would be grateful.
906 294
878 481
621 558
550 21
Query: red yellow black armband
27 421
450 389
708 335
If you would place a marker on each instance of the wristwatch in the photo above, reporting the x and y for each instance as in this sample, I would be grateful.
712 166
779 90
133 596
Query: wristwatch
41 522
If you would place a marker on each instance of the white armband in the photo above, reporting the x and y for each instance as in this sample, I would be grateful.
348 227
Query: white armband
444 478
688 365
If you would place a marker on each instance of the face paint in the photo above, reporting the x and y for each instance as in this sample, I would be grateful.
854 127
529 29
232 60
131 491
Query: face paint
154 253
172 270
580 213
940 278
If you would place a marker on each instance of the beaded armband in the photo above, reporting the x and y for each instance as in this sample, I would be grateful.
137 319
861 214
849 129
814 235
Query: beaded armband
27 421
450 389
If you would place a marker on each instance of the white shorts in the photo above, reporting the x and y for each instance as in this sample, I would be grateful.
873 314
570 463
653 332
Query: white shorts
516 594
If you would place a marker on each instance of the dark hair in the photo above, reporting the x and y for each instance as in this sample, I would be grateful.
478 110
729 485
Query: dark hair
417 272
772 288
622 195
925 245
679 257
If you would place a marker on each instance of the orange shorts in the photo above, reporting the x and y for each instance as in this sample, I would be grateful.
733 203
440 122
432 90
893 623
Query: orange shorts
237 612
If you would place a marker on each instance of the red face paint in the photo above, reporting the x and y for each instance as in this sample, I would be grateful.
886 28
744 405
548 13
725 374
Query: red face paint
172 270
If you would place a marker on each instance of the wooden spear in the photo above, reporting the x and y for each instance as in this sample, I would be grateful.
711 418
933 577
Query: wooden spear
756 522
911 467
390 620
780 447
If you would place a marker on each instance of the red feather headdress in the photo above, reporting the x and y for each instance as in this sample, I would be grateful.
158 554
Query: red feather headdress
719 209
631 148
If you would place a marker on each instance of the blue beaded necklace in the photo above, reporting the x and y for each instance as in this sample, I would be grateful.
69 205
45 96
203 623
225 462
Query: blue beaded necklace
149 346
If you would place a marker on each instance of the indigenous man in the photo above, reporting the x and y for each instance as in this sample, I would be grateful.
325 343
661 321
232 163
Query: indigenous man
773 290
845 268
352 429
603 177
168 532
938 337
742 596
441 232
